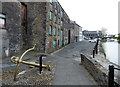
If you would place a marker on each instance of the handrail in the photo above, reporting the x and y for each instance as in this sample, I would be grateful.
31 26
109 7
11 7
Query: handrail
95 50
111 82
117 68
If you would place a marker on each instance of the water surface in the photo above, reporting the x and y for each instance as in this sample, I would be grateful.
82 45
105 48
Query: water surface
111 50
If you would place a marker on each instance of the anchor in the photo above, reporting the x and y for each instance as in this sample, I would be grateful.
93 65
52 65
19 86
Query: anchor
18 61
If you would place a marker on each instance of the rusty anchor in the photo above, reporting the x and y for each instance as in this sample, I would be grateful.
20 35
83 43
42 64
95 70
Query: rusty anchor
18 61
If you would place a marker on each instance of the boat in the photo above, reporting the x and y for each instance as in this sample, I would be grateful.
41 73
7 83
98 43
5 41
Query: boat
110 40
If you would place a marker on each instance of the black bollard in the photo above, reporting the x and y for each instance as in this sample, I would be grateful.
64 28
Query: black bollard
111 76
93 53
97 46
40 62
96 49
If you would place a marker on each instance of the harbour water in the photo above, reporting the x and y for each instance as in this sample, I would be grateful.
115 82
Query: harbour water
112 50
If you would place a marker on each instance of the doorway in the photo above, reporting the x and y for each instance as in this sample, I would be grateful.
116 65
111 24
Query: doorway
69 34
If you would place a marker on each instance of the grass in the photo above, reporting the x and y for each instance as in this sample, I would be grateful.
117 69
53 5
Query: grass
103 41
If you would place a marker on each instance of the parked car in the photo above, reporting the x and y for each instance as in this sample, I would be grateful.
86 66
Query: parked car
93 40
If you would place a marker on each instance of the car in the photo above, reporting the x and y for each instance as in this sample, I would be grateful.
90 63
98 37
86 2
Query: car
92 40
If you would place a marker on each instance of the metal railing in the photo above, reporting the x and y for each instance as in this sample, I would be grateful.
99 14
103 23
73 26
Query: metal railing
95 50
111 82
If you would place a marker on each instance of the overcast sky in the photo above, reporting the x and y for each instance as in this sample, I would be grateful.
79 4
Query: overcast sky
93 14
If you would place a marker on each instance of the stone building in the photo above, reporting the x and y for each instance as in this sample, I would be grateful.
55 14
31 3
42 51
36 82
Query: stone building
58 27
24 24
80 34
75 31
92 34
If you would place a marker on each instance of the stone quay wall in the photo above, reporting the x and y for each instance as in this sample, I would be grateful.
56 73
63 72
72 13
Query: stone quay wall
99 73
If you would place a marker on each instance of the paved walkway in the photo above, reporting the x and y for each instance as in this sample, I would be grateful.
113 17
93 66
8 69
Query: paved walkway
68 69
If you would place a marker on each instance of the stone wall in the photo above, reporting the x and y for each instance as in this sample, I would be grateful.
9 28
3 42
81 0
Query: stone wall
36 19
19 38
96 70
13 28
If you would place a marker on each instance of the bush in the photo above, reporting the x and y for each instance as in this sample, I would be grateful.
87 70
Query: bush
118 39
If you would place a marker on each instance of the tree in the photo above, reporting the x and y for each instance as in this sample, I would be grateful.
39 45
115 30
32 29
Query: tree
118 38
104 31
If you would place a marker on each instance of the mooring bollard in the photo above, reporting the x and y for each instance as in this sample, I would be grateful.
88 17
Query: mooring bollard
93 53
96 49
40 62
111 76
97 46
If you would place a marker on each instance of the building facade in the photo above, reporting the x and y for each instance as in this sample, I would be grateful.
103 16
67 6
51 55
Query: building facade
58 25
92 34
24 24
75 31
80 34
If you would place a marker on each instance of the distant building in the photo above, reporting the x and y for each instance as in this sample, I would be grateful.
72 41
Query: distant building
92 34
75 31
80 34
110 35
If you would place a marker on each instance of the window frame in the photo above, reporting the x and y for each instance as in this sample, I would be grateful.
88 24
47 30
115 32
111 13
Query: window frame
61 23
58 8
54 43
54 31
50 15
61 14
4 18
55 5
50 30
55 18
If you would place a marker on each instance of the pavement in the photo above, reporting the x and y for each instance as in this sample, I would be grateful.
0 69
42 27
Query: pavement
67 68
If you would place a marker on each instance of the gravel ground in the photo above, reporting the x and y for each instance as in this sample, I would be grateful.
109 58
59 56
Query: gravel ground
30 76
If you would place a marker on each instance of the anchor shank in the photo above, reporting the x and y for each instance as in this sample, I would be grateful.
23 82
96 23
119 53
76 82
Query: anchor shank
34 64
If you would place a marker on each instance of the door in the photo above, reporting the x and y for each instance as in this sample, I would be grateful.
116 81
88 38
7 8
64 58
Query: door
69 36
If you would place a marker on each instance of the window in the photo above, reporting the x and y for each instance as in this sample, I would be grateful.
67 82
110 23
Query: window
54 32
50 15
61 23
65 42
2 21
58 8
50 30
58 21
58 32
55 18
55 5
61 14
54 44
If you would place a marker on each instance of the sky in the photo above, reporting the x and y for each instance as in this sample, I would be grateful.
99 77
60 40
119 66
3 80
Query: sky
93 14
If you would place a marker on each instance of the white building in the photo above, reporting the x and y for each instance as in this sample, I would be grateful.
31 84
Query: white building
80 34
